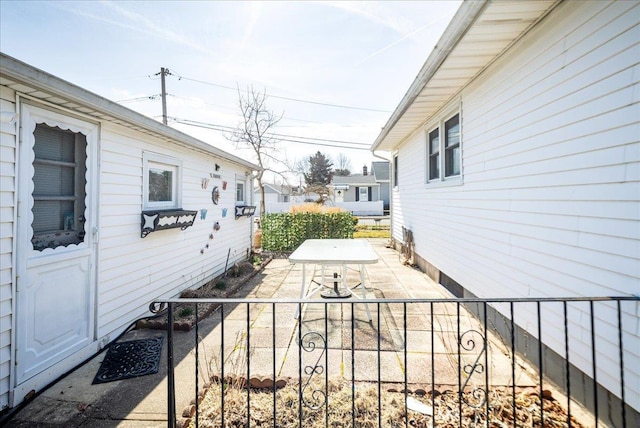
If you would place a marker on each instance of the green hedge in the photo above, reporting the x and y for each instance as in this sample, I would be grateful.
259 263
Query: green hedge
285 231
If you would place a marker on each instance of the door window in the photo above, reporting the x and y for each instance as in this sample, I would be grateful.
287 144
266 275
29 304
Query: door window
59 187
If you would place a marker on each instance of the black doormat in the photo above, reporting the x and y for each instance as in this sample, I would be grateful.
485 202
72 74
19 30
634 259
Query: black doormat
134 358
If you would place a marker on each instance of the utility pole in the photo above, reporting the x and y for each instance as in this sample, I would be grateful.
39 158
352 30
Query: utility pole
164 72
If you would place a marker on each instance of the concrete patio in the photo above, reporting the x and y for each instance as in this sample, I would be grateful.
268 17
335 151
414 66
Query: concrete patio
396 327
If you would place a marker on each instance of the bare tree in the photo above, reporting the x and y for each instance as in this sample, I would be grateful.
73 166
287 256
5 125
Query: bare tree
343 165
256 131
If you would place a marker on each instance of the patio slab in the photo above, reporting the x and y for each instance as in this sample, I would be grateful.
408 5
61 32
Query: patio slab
142 401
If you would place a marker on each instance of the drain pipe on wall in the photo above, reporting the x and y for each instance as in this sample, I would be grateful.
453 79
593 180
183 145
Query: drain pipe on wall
391 239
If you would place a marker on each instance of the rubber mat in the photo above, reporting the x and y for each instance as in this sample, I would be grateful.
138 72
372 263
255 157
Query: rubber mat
125 360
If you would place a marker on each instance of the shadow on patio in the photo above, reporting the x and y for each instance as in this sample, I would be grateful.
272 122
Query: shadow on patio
419 340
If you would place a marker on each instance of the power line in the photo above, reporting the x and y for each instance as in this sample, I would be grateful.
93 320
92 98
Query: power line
180 77
131 100
187 121
236 109
282 137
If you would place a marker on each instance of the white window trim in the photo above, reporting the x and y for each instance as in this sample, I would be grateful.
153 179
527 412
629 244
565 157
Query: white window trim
363 190
157 159
440 124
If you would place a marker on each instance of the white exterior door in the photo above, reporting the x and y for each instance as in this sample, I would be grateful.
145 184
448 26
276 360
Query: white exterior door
57 233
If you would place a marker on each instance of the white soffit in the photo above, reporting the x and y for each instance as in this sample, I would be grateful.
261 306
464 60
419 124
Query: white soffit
481 39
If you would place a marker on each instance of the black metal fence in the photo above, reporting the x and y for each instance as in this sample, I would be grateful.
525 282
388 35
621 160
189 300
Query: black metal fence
416 362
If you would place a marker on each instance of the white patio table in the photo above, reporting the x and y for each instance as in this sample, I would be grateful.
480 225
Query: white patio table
333 252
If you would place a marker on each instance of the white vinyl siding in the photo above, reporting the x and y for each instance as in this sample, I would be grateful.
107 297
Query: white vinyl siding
167 261
550 201
7 242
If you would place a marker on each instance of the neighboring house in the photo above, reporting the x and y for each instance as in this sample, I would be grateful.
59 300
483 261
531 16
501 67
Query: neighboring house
516 164
88 188
277 197
274 193
358 193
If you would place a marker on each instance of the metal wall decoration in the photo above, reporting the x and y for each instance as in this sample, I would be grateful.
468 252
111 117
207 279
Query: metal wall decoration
215 195
245 211
166 219
216 227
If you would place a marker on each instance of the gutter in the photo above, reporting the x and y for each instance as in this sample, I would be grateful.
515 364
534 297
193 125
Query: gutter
22 72
457 28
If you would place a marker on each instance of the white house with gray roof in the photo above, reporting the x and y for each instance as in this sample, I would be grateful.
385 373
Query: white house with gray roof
365 194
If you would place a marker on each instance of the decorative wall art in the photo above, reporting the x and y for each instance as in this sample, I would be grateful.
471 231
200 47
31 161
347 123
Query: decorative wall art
166 219
215 195
245 211
216 226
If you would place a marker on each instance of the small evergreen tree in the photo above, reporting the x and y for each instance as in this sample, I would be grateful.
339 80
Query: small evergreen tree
320 170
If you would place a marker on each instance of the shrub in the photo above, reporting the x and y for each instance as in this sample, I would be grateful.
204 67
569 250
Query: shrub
185 312
285 232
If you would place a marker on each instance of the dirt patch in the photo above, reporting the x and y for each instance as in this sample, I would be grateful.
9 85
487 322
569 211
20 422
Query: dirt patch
360 405
184 314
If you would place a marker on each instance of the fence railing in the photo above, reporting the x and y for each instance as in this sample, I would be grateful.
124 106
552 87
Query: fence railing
418 362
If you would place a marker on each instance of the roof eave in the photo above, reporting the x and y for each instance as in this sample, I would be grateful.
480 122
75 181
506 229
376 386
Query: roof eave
459 25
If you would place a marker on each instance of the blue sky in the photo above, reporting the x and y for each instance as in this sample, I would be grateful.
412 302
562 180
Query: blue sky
358 57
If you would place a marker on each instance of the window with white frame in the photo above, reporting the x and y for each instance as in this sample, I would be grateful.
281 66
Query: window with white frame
162 181
443 150
240 190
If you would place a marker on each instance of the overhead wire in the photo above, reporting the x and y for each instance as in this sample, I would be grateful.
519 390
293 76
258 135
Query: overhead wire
147 98
181 77
282 137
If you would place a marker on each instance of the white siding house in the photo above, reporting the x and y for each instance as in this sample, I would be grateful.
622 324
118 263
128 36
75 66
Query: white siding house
90 194
516 166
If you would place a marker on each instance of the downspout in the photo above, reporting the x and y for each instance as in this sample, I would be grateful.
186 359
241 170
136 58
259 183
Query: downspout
391 240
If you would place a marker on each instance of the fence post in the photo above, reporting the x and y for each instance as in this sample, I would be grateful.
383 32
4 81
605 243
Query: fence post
171 395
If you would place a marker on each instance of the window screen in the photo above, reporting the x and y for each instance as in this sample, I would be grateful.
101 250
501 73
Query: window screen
59 183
